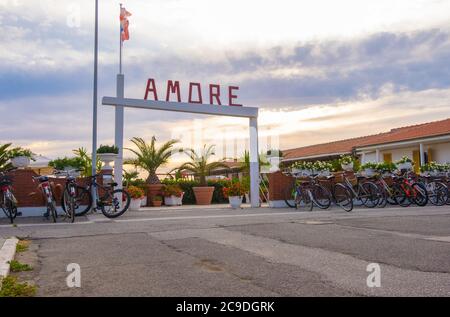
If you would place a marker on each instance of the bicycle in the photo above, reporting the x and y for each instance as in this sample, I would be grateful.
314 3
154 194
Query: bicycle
437 191
113 203
8 202
388 194
68 199
82 199
45 187
409 191
366 192
339 193
298 195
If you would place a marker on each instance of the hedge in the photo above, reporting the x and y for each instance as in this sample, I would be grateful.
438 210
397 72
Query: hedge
189 198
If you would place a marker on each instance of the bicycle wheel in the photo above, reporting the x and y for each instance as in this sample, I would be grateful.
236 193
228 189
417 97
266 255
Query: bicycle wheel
420 196
9 210
383 201
51 208
370 194
401 196
115 203
83 201
307 198
343 197
69 206
290 196
321 196
437 193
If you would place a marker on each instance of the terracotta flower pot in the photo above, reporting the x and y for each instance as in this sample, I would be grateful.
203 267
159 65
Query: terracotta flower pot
157 203
203 195
152 191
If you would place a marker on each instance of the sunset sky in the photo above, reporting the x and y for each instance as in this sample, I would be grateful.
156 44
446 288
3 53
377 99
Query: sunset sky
319 70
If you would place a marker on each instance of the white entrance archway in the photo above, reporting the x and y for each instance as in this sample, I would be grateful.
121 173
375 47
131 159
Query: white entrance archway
119 102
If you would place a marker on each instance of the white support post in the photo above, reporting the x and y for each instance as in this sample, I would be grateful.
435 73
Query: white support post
377 155
254 163
118 134
363 157
422 154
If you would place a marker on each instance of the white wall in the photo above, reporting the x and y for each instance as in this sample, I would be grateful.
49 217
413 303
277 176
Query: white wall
440 153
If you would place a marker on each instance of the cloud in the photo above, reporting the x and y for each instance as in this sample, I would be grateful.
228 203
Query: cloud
378 76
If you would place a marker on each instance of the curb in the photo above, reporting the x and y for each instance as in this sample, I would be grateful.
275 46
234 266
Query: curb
7 253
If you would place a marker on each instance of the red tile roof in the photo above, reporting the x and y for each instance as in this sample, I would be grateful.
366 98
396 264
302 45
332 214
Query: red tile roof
424 130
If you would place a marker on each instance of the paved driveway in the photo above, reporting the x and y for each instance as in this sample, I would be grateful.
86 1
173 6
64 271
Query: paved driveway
248 252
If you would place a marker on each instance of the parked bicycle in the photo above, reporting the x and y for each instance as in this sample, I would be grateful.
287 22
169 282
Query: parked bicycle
363 190
437 190
408 191
299 194
45 187
111 202
8 202
340 195
69 196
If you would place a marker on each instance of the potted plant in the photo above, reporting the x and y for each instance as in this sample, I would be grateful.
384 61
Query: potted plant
386 167
322 168
67 164
347 162
369 168
201 168
107 154
157 201
20 157
433 169
405 163
136 196
234 191
149 157
173 195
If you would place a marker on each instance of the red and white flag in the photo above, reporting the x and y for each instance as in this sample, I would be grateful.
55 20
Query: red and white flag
124 14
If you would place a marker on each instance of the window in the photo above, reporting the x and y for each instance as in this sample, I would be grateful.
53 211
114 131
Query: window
387 157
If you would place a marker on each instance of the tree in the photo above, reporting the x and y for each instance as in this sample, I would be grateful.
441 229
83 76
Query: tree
85 162
4 157
245 161
199 163
149 157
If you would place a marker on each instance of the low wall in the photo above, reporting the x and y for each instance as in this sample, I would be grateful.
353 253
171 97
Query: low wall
278 182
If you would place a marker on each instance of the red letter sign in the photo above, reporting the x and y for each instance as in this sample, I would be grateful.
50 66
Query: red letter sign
199 89
231 96
151 87
213 95
173 88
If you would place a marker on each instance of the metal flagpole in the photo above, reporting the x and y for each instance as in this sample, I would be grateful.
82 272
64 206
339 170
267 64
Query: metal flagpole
94 119
121 43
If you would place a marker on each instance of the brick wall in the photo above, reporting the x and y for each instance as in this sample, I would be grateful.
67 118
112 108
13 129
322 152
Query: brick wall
278 182
27 192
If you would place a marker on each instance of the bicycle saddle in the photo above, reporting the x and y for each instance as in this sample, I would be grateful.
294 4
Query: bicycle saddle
43 179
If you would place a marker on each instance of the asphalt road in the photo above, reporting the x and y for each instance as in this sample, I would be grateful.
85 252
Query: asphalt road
248 252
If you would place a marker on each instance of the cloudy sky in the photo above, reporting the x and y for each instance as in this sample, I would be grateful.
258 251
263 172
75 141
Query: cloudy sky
319 70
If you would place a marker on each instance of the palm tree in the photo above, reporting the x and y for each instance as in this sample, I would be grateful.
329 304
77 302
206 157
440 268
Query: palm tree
245 161
199 163
149 157
4 157
85 161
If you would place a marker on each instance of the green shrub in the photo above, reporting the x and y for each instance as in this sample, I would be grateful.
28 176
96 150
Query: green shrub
61 163
189 197
108 149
